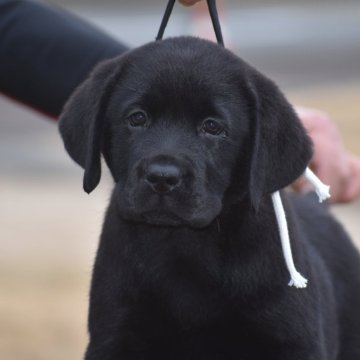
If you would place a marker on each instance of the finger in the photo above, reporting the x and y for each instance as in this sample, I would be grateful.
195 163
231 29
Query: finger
351 188
188 2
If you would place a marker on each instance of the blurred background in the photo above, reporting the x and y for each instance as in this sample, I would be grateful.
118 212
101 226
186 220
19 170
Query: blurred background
49 227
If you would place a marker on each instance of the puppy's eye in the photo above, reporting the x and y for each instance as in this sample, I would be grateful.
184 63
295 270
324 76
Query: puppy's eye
137 118
212 127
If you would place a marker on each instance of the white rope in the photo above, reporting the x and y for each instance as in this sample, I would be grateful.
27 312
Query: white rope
323 193
321 189
297 279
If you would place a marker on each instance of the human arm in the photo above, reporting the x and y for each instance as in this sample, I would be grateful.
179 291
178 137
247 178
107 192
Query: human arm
45 52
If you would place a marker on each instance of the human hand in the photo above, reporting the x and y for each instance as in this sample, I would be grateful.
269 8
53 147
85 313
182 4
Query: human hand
331 162
188 2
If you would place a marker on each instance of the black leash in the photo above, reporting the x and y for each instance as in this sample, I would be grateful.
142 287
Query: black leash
213 14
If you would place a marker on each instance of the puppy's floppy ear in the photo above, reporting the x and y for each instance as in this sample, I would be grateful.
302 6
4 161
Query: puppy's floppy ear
281 149
82 121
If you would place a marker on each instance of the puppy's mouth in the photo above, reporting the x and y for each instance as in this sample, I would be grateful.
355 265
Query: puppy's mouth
161 218
155 217
166 211
165 219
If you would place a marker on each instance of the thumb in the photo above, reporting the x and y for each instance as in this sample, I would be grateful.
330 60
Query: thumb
188 2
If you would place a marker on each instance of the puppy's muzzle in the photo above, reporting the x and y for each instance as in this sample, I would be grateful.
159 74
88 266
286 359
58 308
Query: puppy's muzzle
163 177
162 174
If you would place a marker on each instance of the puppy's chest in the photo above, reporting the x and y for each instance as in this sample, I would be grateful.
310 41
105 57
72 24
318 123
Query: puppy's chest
197 284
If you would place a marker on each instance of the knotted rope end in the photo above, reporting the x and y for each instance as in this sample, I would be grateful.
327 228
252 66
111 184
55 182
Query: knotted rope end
322 190
298 281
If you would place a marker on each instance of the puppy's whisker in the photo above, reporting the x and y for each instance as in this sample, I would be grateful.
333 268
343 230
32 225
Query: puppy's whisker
135 90
218 225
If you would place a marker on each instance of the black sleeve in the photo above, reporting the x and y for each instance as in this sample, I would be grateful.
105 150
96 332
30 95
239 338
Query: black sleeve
45 52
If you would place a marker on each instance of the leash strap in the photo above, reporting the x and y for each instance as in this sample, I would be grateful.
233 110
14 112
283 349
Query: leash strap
165 19
215 21
213 14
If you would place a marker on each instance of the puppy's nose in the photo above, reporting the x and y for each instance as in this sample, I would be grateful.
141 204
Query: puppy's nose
163 178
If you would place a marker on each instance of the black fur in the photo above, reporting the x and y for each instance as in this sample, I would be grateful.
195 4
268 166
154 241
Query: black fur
193 268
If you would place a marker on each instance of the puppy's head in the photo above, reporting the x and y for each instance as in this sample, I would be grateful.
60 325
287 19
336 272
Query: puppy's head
184 126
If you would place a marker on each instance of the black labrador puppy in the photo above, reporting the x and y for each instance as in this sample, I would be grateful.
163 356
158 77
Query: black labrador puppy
190 264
